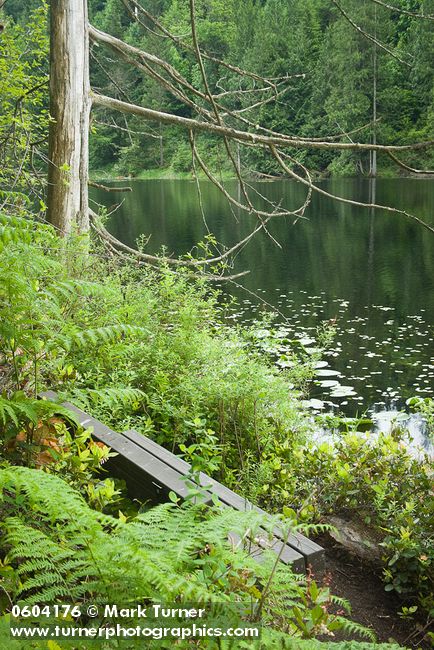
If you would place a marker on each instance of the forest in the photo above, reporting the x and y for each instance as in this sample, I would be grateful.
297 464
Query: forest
333 70
272 104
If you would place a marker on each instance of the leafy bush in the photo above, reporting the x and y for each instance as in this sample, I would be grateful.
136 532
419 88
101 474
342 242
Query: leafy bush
23 107
36 294
60 550
375 481
151 352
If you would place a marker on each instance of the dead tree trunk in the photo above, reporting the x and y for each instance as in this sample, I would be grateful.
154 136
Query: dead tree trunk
70 108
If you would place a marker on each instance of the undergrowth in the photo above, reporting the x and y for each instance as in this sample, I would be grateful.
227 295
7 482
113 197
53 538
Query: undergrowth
57 549
149 350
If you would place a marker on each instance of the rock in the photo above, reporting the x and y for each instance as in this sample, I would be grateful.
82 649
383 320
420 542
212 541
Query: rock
356 538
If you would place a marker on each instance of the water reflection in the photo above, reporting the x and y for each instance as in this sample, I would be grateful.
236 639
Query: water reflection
370 270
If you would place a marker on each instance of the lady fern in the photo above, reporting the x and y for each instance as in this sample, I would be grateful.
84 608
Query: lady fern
42 325
61 546
63 551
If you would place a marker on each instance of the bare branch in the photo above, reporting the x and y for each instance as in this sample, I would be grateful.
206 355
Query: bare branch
129 53
260 103
402 11
244 136
369 36
179 41
116 245
340 199
239 92
113 125
109 189
214 105
121 92
407 167
237 204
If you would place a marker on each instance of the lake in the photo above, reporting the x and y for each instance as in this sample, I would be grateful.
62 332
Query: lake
370 270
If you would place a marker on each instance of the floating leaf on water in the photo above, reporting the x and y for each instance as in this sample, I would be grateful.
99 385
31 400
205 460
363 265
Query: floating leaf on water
283 363
306 340
326 373
328 383
315 404
262 334
320 364
343 391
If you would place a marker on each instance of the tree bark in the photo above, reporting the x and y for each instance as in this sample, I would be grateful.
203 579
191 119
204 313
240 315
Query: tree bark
70 104
373 170
279 140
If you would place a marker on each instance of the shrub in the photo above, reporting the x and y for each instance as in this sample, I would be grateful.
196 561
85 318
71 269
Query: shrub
60 550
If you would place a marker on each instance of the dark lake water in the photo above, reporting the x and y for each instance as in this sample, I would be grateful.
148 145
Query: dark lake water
370 270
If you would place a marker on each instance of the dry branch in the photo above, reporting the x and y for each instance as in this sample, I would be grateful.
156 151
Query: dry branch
179 41
115 245
109 189
244 136
413 14
341 199
402 164
369 36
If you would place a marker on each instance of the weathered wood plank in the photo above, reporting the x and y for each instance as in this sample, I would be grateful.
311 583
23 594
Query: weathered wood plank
134 463
312 552
151 472
287 553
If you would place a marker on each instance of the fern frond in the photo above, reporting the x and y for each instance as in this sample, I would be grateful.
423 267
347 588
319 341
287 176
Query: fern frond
16 409
99 335
20 408
355 628
341 602
108 397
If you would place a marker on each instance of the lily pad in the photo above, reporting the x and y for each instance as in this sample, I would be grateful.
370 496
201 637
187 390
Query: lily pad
312 350
315 404
343 391
306 340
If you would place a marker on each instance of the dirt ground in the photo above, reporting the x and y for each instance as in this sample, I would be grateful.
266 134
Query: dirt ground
371 605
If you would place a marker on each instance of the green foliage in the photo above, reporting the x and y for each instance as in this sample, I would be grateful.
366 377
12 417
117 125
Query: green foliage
37 294
375 481
180 374
58 549
23 107
153 355
162 542
152 352
424 406
160 361
314 618
275 38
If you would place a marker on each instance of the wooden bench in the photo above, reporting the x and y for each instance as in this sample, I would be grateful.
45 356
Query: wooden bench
151 472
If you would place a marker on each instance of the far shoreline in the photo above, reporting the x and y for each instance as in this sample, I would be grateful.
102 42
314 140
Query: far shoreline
99 175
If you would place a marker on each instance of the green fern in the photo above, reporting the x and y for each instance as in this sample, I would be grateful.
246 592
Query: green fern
351 627
63 551
39 304
52 532
20 408
107 397
101 335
